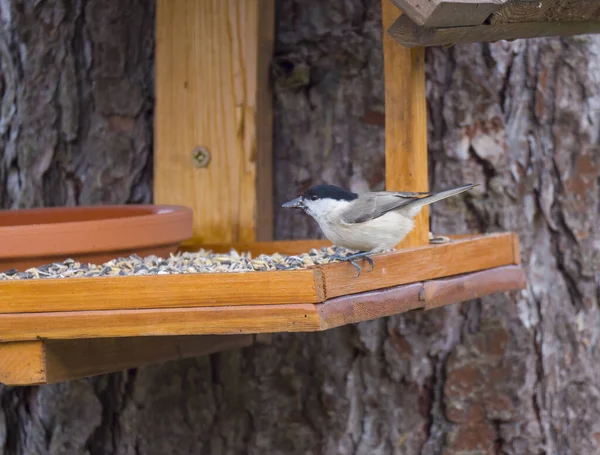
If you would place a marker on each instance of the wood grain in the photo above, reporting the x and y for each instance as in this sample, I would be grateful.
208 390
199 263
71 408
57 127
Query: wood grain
431 294
160 291
546 11
230 320
409 34
288 247
22 363
249 319
437 293
405 123
212 61
85 343
465 254
351 309
51 361
421 263
448 13
74 359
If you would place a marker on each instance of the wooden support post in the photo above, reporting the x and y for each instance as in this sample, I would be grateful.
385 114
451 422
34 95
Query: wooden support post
213 116
405 122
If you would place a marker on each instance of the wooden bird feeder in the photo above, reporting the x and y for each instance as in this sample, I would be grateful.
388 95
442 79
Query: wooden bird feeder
213 154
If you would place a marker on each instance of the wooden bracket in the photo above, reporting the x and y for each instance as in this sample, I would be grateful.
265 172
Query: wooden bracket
213 122
51 361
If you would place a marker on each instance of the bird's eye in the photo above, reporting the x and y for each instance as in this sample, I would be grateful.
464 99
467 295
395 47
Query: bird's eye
314 197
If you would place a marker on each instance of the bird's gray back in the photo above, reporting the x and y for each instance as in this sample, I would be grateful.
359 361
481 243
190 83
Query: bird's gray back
372 205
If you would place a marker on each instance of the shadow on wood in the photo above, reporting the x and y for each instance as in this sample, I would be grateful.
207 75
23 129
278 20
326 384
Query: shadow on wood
50 361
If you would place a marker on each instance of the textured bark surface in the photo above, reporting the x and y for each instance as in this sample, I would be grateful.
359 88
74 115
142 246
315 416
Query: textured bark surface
508 374
76 84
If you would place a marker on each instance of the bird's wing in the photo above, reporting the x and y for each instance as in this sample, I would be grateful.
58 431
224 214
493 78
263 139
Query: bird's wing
373 205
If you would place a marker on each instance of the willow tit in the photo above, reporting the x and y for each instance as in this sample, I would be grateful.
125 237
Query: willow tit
369 222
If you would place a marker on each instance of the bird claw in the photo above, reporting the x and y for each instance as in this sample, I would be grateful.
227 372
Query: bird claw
351 260
438 239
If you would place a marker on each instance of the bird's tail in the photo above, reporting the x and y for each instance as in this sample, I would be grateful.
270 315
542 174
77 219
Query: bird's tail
417 204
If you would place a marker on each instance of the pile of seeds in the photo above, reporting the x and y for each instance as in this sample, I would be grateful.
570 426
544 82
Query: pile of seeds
181 263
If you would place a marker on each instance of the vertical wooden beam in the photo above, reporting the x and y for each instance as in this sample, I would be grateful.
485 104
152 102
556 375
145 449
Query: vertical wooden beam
405 122
212 66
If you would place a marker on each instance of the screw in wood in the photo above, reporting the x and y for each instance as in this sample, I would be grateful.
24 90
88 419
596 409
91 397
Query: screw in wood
201 156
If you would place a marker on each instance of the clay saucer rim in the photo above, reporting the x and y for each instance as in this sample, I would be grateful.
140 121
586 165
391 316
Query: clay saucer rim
141 226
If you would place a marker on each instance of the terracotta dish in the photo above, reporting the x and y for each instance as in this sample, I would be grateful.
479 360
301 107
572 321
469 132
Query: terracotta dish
94 234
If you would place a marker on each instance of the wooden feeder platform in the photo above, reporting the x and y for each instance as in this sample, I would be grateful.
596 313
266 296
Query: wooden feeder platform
65 328
213 153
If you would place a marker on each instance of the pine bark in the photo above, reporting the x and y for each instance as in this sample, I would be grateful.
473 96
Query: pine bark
515 373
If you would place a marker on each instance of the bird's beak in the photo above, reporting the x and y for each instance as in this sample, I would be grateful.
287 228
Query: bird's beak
294 203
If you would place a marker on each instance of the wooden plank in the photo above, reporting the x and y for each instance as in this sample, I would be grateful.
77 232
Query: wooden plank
212 91
51 361
546 11
257 288
430 294
437 293
74 359
22 363
160 291
259 318
516 249
230 320
366 306
421 263
405 123
410 34
263 214
449 13
287 247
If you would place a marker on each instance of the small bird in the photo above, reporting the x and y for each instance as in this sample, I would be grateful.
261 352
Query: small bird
369 222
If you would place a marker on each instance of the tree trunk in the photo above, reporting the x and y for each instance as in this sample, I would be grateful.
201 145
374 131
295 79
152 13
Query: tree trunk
514 374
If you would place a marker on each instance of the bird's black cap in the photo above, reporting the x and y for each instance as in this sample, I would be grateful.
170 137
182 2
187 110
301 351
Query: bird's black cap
328 192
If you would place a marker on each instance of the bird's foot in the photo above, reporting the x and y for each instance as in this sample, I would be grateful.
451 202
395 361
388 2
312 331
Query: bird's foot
438 239
352 260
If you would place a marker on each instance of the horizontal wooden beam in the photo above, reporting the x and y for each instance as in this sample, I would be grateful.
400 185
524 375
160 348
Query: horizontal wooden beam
159 291
51 361
260 318
423 263
223 320
351 309
468 254
546 11
409 34
448 13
